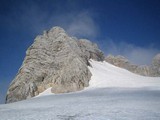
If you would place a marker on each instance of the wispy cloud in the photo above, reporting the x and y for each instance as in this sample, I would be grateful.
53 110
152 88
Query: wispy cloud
136 54
35 19
83 25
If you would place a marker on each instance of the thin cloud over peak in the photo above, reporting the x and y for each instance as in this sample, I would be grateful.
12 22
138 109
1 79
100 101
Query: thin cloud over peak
136 54
83 25
35 19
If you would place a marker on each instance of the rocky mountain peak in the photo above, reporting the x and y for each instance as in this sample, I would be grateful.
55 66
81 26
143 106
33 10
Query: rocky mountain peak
56 31
54 60
52 34
61 62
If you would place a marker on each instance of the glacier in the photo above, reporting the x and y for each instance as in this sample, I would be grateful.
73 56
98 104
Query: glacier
113 94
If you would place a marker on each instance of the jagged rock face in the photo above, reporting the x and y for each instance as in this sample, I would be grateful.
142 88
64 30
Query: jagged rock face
87 48
54 60
120 61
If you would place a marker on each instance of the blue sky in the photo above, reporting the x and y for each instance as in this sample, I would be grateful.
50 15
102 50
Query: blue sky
127 27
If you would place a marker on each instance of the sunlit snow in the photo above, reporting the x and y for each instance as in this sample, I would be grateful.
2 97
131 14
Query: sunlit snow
107 75
113 94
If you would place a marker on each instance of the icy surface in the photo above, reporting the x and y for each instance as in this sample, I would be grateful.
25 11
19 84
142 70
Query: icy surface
107 75
113 94
95 104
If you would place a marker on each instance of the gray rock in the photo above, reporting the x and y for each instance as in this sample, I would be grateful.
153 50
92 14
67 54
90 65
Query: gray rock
155 68
156 61
87 46
120 61
54 60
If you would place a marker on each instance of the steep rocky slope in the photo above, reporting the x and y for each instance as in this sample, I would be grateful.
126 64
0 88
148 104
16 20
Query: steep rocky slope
54 60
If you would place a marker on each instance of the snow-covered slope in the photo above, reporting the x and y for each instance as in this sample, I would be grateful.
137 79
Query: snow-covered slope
107 75
113 94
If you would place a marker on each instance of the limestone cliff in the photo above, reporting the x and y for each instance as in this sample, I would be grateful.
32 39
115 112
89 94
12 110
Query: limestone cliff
54 60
